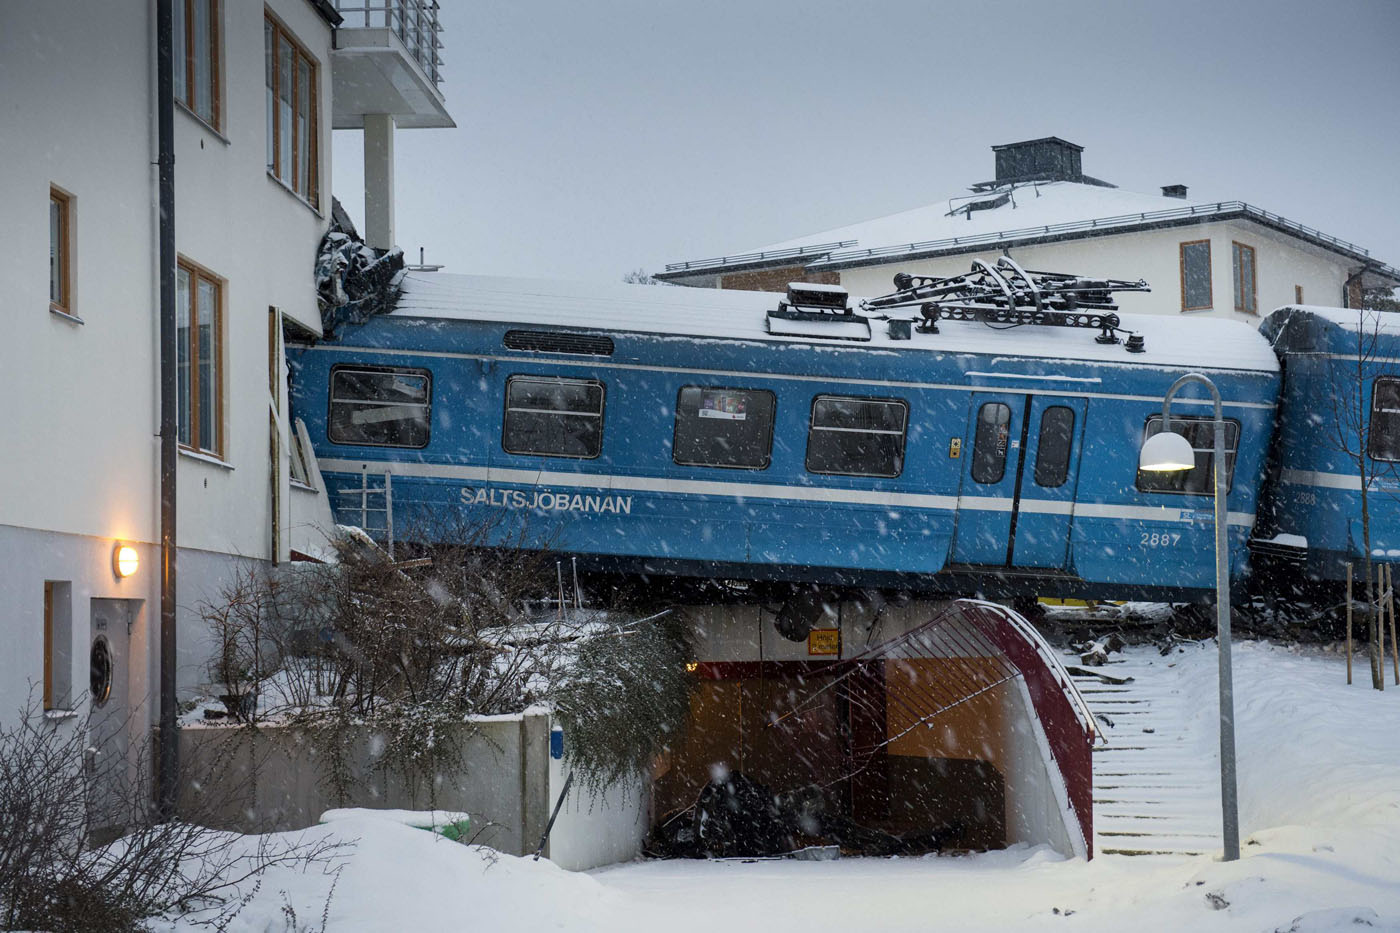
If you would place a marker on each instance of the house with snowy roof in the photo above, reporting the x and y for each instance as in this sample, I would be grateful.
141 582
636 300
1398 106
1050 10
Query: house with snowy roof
1221 258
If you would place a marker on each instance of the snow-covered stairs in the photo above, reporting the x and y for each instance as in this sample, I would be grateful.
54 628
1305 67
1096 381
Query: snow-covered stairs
1154 791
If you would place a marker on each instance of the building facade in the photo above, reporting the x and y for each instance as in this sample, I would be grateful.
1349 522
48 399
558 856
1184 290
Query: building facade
1223 259
254 88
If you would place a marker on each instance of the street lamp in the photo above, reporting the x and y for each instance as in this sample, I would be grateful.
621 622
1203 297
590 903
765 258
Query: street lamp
1171 452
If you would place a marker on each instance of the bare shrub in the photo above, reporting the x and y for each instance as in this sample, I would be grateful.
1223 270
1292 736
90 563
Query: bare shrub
52 806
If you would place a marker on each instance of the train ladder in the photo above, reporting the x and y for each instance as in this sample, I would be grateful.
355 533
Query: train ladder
370 514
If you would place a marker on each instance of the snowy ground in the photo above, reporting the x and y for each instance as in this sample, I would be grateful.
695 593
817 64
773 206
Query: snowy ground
1320 816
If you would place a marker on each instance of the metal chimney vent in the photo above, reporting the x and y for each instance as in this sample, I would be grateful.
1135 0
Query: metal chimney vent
1174 191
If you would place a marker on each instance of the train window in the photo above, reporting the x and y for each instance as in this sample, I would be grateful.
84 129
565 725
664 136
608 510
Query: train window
1383 442
552 417
1201 434
990 441
857 436
724 427
1053 449
379 407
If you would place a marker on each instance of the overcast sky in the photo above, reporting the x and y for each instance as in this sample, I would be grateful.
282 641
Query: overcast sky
598 136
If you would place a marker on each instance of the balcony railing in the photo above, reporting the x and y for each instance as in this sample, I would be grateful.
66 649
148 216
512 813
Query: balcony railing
415 22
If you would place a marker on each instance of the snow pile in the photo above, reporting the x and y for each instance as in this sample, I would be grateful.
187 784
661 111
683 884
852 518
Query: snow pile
1320 819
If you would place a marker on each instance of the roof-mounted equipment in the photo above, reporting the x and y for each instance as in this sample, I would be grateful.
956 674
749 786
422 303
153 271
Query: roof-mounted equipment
1005 295
814 310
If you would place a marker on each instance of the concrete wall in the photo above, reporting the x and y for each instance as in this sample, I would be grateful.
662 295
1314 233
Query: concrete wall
274 779
1037 808
1283 262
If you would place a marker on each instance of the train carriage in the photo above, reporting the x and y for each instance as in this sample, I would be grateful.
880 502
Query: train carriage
1339 417
691 432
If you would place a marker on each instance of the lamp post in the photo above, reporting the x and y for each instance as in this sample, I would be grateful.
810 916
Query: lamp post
1171 452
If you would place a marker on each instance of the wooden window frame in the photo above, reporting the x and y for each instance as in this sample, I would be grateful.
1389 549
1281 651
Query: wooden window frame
1210 277
64 200
198 273
280 34
1236 254
48 646
216 37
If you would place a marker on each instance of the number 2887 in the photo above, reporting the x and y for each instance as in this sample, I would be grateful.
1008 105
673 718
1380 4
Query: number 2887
1159 539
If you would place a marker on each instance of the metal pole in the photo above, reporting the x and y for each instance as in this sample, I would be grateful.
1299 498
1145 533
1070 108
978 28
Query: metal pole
168 768
1229 796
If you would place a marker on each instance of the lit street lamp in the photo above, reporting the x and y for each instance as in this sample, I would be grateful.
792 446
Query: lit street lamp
1171 452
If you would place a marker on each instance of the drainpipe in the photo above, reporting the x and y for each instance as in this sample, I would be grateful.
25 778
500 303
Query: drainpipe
168 769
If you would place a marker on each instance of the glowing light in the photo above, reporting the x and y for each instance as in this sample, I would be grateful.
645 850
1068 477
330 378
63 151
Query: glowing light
692 666
125 560
1167 452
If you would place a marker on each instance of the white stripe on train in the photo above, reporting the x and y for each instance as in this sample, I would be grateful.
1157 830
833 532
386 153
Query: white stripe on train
613 483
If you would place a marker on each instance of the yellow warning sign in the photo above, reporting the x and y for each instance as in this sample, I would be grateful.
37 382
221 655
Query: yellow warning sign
824 641
954 448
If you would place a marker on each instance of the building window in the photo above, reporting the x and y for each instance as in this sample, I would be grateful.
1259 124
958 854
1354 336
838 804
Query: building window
1053 448
1195 276
58 644
1200 479
551 417
990 442
199 315
291 112
1383 438
196 58
60 251
1297 294
1242 263
724 427
379 408
857 436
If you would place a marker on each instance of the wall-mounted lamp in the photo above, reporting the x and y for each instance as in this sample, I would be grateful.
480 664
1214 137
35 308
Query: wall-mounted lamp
125 560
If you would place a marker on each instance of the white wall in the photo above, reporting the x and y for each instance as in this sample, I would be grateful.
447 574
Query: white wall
1154 255
78 472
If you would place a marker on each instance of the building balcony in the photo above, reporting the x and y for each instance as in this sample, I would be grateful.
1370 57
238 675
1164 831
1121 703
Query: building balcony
386 61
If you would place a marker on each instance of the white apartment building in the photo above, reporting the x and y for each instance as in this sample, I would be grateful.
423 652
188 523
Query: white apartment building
258 89
1224 259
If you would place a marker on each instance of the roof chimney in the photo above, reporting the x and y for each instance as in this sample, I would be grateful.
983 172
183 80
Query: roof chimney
1174 191
1047 159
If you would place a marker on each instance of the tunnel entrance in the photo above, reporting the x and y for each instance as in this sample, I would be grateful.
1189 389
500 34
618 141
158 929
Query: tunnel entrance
917 728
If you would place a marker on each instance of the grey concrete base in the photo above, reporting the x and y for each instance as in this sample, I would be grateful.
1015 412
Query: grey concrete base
275 779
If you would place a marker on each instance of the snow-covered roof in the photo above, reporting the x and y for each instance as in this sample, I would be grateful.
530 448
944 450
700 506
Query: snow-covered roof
1030 205
1352 319
707 313
1024 213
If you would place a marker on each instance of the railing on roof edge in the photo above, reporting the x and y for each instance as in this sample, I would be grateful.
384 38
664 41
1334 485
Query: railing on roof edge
1195 210
415 22
837 252
790 253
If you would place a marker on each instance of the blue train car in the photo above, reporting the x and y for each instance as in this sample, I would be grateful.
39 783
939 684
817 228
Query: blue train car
1339 420
667 430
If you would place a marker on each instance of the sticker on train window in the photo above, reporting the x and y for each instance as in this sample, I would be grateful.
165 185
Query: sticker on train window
730 406
724 427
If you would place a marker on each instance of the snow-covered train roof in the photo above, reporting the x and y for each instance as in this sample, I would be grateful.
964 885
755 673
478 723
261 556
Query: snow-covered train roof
742 315
1351 319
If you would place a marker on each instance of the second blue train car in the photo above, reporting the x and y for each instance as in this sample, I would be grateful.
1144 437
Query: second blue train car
1339 423
668 430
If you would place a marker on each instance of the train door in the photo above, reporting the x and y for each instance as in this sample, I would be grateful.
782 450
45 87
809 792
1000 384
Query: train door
1019 478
